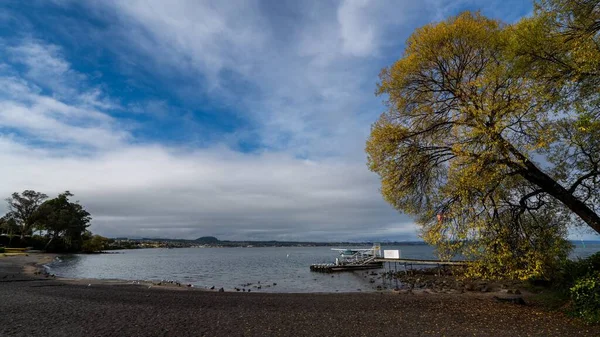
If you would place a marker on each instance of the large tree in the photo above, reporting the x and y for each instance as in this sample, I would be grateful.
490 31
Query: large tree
65 222
478 145
22 208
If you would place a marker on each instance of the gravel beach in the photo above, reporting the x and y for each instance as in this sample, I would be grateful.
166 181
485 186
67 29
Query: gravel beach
31 305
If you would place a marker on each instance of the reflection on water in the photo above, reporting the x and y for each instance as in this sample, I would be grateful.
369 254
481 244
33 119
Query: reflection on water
288 268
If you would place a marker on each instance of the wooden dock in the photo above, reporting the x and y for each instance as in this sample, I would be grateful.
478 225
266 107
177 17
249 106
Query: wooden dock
332 268
422 262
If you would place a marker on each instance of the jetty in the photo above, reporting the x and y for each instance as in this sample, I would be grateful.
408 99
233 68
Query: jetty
331 268
361 259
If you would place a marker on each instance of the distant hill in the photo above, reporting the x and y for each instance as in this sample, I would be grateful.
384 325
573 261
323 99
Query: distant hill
207 240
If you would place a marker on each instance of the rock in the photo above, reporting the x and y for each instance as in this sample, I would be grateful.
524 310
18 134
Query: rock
221 290
517 292
515 300
485 289
509 291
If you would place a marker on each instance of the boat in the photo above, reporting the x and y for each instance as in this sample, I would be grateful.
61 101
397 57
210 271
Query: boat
352 259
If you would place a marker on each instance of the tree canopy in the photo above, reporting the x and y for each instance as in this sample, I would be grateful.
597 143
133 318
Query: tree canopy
491 151
63 220
22 208
62 224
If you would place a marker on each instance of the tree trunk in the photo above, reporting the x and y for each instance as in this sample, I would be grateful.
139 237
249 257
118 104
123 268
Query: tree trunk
556 190
536 176
48 243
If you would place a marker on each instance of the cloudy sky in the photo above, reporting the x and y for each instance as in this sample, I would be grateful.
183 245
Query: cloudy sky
239 119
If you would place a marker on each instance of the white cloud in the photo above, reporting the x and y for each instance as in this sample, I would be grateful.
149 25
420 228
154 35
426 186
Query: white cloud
310 73
155 190
136 189
357 34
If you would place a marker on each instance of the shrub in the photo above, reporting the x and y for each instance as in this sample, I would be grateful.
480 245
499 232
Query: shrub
94 244
1 250
586 297
571 271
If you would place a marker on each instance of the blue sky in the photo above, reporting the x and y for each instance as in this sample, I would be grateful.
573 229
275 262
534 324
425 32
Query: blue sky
240 119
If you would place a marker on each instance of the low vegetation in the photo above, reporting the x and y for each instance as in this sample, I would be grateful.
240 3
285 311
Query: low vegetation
579 282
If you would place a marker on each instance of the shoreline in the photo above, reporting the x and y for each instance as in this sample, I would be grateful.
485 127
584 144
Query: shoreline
37 267
35 263
34 305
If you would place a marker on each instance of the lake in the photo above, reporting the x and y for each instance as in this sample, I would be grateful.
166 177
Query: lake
287 267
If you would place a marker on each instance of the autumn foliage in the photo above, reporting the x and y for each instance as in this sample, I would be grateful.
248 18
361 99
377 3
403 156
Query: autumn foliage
492 136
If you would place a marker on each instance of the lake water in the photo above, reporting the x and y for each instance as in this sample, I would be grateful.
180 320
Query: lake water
229 268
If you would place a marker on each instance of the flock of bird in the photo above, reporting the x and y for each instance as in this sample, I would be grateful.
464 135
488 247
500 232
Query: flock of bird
257 286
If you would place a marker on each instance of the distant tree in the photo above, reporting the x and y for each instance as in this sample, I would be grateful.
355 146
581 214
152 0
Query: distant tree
9 227
93 243
22 208
65 222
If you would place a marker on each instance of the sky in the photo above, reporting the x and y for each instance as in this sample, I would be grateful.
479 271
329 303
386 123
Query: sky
245 120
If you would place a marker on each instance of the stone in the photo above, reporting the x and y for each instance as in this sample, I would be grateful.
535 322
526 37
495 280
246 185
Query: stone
514 300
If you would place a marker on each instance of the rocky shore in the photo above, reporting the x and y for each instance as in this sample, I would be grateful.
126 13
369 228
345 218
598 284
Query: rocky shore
444 280
36 305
